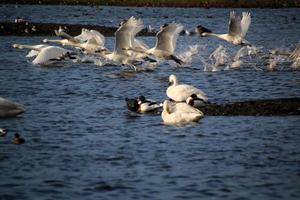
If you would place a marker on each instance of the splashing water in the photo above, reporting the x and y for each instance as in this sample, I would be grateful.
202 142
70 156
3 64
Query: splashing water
187 56
296 63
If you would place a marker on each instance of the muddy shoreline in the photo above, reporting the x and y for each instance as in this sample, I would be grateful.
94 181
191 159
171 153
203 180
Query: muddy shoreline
47 29
270 107
167 3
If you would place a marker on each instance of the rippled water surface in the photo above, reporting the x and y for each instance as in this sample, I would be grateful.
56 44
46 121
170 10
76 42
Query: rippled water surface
82 143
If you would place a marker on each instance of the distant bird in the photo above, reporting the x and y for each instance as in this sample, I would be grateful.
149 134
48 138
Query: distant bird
3 132
180 92
9 108
46 54
179 113
17 139
165 46
237 29
141 105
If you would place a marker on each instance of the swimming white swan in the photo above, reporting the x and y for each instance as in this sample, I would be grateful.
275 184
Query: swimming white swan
176 113
237 29
165 46
180 92
46 54
9 108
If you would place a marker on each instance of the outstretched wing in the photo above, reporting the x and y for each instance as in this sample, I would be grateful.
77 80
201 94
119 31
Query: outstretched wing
296 53
245 23
167 37
234 24
126 33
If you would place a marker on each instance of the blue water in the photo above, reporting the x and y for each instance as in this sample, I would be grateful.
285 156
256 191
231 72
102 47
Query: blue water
82 143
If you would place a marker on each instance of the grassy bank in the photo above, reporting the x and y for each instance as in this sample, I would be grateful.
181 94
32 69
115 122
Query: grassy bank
169 3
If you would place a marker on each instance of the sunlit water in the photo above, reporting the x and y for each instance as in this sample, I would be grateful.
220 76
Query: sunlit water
82 143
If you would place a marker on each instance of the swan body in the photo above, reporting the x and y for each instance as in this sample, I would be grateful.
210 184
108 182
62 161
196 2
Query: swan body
34 53
45 54
179 113
9 108
237 29
180 92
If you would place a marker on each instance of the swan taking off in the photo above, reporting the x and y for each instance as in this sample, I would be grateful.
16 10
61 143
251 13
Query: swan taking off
177 113
9 108
181 92
236 31
46 54
89 40
125 40
165 46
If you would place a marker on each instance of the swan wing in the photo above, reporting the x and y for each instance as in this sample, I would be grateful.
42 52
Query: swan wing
126 33
167 37
140 45
98 37
245 23
182 92
185 108
234 24
296 53
34 53
49 53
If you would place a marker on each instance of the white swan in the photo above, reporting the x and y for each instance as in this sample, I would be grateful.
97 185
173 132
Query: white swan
237 29
176 113
165 46
46 54
180 92
9 108
125 40
88 40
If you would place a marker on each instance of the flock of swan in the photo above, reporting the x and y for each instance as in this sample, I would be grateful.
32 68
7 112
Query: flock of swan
185 100
133 52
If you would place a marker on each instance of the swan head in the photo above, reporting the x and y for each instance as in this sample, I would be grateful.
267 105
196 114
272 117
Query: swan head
172 80
163 26
201 30
17 46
